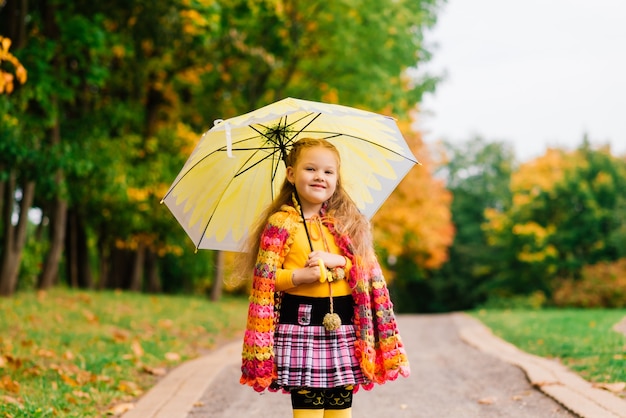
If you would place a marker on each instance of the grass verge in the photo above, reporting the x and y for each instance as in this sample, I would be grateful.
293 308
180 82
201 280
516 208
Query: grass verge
582 339
72 353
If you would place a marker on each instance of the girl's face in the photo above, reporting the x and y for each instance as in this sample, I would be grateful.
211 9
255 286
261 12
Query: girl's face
315 178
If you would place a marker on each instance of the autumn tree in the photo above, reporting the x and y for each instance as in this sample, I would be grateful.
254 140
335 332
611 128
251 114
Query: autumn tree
12 73
476 174
413 228
564 215
121 90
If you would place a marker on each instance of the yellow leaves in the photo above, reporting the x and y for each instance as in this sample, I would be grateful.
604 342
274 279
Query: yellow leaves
538 233
527 255
7 79
136 194
193 22
118 51
129 387
186 137
543 173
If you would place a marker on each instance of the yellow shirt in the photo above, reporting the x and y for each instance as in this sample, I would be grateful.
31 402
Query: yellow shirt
299 254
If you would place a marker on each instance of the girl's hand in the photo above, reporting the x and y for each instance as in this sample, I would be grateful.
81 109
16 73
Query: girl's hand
330 260
305 275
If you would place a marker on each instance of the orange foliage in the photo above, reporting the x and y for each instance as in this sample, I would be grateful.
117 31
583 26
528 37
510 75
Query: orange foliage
603 285
6 78
416 220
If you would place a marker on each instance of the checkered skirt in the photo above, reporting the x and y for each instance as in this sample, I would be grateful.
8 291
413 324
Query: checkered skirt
311 356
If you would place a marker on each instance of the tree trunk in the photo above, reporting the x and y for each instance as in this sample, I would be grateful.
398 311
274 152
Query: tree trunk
121 268
3 201
58 220
50 269
104 259
218 283
13 16
83 266
152 272
138 265
14 235
77 252
71 249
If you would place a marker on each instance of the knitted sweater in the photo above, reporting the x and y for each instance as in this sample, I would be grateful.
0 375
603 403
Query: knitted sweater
378 348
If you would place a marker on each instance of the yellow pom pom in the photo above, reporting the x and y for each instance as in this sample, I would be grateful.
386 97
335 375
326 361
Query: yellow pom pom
331 321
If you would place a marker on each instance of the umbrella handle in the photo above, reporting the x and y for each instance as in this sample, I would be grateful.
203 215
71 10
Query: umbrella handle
306 228
229 138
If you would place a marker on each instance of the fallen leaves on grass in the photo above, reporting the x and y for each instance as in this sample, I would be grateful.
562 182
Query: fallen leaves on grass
120 408
12 400
129 387
137 349
9 384
110 348
90 316
120 335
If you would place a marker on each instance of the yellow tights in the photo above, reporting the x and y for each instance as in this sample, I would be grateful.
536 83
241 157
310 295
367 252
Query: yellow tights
338 413
322 413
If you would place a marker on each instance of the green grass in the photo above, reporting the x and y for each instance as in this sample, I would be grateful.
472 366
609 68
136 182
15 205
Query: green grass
77 354
582 339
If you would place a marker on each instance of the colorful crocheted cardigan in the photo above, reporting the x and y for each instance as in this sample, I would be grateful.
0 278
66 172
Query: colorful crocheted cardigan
378 347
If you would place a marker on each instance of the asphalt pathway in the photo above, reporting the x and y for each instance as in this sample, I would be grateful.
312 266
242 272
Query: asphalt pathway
459 370
449 379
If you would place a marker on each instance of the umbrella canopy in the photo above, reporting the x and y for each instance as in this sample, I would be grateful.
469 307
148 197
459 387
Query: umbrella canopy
237 166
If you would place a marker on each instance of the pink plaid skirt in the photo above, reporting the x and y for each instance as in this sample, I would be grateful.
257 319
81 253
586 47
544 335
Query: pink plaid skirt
311 356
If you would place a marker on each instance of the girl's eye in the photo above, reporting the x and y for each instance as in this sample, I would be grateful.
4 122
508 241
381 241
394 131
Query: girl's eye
330 172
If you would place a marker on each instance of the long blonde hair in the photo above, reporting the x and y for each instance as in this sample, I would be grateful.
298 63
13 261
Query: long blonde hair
347 218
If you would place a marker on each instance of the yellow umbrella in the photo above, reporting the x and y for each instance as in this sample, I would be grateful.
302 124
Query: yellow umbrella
237 166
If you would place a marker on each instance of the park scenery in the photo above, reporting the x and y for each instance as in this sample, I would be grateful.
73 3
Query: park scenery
101 104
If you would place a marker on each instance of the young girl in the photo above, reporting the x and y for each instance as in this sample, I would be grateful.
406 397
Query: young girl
320 321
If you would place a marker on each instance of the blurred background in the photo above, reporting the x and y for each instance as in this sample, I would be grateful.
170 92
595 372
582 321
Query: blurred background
513 110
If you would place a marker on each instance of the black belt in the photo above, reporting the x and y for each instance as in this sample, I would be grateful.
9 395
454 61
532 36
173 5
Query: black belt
304 310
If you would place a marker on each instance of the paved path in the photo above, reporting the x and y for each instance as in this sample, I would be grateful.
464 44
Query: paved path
459 370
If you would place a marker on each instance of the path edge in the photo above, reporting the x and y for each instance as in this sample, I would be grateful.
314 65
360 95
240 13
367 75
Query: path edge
175 395
552 378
